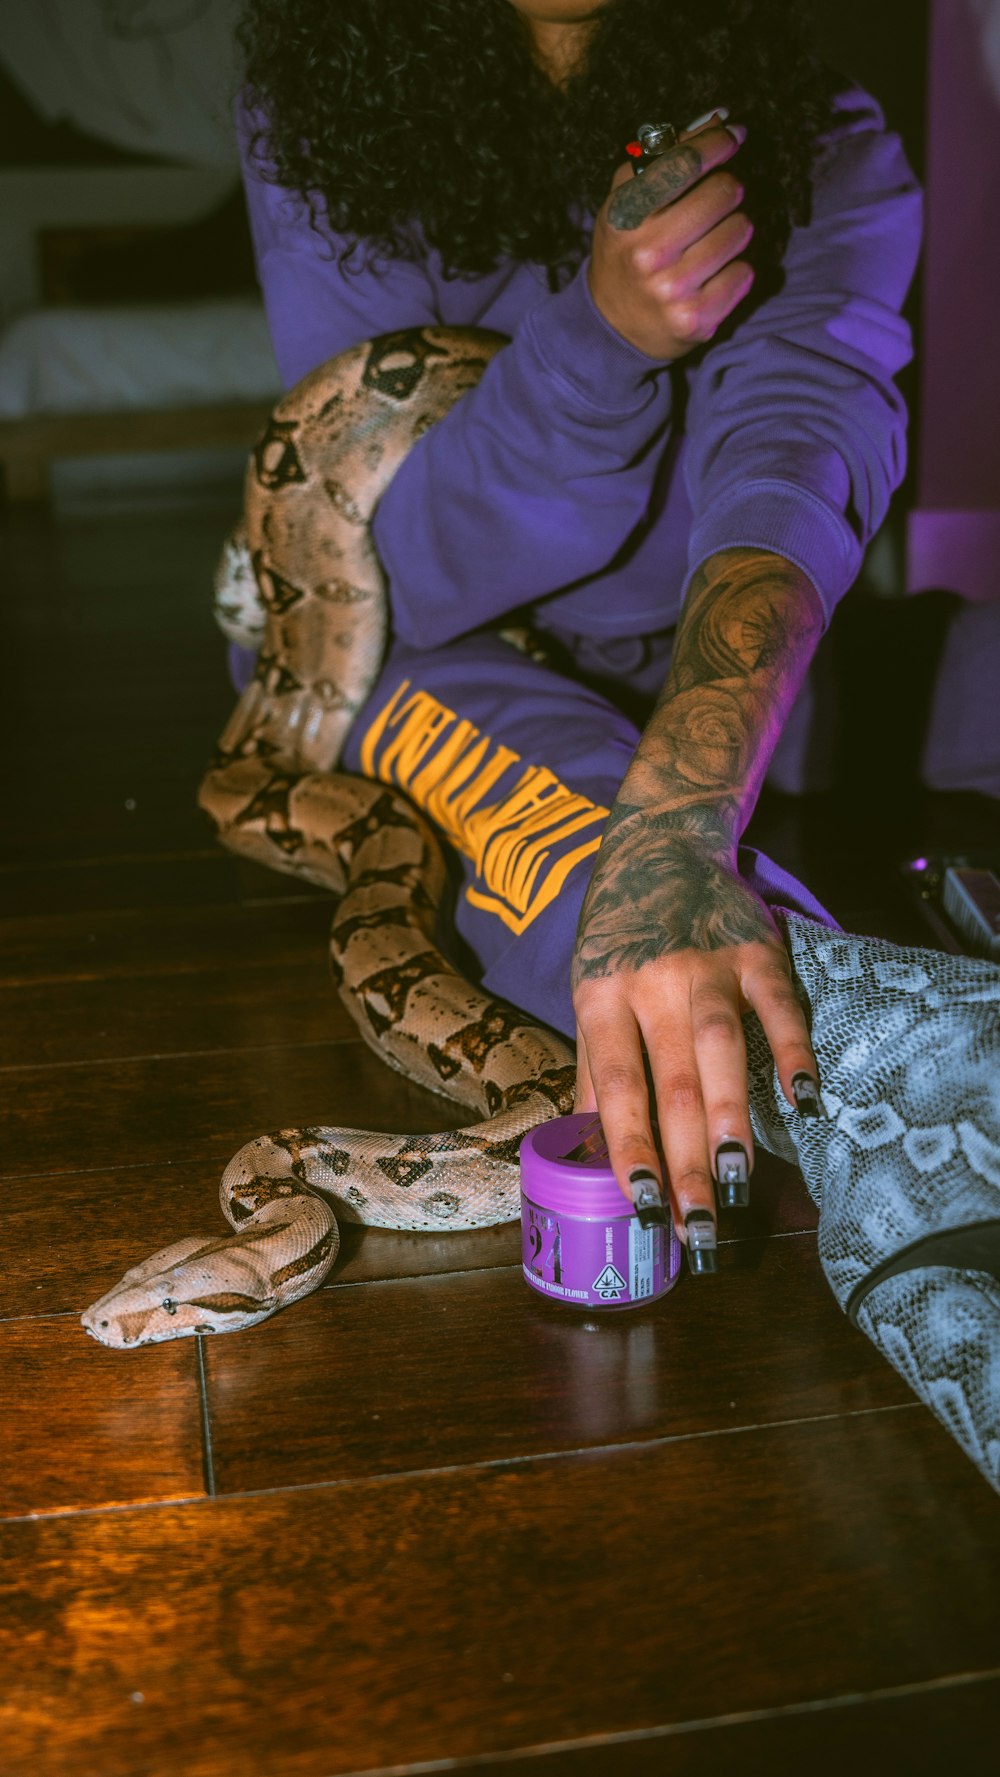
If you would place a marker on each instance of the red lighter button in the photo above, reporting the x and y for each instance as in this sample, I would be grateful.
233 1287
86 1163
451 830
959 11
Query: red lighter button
634 149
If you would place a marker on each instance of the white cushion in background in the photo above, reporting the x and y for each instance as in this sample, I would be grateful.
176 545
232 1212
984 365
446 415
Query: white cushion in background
107 360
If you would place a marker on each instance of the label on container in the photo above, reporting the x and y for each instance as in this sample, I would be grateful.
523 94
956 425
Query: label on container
640 1260
611 1285
596 1263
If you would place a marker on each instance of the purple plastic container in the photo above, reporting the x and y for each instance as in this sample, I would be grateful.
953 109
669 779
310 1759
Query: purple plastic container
581 1244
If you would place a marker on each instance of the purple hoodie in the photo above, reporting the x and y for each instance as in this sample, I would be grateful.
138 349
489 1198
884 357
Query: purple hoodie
564 479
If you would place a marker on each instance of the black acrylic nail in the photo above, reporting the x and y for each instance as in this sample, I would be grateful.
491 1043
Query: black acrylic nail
732 1172
647 1197
702 1241
806 1095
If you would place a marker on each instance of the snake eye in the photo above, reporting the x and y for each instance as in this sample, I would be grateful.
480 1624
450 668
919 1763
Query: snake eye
104 1323
169 1304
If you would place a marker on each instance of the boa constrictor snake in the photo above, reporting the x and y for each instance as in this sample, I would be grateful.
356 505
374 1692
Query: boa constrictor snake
905 1167
316 475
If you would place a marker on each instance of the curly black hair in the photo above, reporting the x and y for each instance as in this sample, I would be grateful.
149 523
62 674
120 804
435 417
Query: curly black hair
390 114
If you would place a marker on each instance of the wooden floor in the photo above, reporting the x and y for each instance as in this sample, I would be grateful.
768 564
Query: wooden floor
422 1521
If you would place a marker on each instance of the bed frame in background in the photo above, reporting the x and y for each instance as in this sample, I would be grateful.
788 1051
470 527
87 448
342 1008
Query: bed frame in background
104 264
28 446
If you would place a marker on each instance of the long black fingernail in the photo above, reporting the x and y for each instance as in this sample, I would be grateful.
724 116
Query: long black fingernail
647 1197
702 1242
806 1095
732 1172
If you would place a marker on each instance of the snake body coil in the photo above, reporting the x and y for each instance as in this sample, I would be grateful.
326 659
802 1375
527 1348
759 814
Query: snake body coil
317 473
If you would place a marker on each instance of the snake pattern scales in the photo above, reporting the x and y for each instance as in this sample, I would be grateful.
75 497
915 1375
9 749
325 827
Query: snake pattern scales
316 475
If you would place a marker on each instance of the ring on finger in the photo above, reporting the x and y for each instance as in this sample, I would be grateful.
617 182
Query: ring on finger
651 140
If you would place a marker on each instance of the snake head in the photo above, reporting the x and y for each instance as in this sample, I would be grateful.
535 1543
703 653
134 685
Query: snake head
126 1317
147 1316
196 1286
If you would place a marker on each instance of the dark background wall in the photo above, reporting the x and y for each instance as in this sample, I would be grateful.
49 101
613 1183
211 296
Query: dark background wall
883 43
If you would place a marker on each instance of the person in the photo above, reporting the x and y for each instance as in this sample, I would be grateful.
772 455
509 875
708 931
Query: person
670 472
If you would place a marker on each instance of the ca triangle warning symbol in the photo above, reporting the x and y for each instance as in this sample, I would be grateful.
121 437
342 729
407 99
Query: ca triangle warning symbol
609 1284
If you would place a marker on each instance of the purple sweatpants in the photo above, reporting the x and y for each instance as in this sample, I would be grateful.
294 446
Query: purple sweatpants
517 765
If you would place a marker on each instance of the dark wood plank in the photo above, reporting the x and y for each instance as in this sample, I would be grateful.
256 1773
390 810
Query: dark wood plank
101 946
85 885
108 1114
352 1383
951 1727
81 1429
244 1006
341 1629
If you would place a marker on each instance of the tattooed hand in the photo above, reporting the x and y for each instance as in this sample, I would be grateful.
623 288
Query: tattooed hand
673 946
664 265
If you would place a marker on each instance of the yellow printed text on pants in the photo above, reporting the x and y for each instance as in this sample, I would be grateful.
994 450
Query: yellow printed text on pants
448 766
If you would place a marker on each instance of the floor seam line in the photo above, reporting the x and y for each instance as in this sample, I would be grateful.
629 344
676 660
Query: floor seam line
671 1730
406 1277
207 1453
485 1465
43 1067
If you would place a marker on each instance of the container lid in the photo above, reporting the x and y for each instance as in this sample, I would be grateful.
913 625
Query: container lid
564 1167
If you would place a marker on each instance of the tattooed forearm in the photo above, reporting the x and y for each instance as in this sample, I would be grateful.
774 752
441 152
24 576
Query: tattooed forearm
669 176
665 876
750 625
